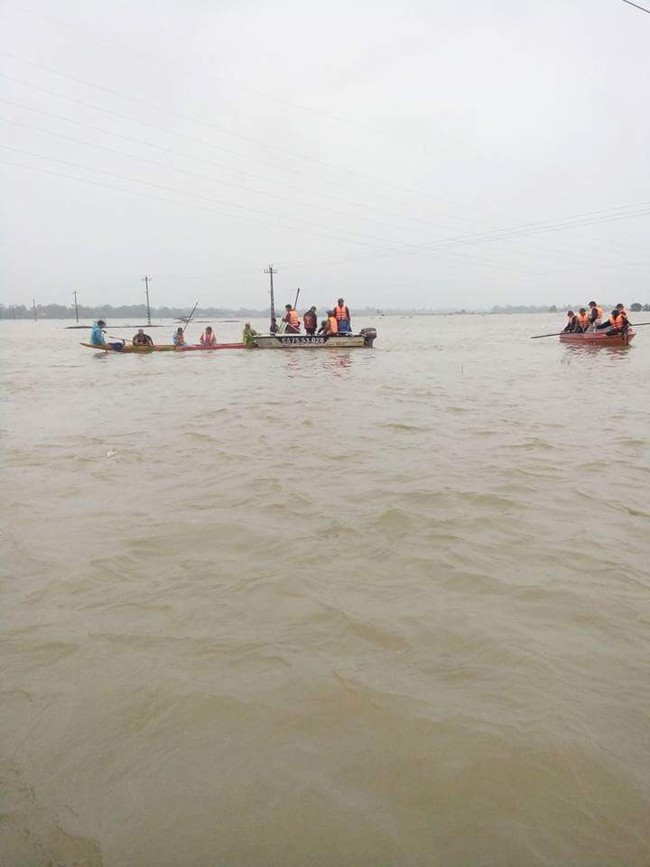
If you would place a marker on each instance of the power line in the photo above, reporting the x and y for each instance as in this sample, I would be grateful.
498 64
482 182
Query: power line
636 5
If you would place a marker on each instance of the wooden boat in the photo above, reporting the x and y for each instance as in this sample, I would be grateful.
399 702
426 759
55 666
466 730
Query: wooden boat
164 347
598 338
365 338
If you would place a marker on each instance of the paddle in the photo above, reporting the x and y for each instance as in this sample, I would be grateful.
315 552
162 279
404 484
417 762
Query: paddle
556 334
295 303
123 339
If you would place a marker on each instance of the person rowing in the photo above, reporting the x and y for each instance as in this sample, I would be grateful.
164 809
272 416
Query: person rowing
97 337
616 324
572 322
179 337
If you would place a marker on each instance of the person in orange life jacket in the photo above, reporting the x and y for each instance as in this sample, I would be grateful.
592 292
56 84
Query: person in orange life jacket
208 338
333 324
142 339
609 323
596 314
621 308
583 320
342 314
617 322
292 319
572 323
310 321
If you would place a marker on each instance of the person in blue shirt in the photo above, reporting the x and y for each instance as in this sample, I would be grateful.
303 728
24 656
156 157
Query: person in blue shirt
97 333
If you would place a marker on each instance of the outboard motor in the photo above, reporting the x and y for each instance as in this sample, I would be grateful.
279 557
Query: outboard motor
369 335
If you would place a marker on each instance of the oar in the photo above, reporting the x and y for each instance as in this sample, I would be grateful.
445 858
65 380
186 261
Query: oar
187 322
123 339
556 334
295 303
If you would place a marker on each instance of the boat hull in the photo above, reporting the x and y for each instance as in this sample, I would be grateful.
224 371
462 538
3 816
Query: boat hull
317 341
598 338
165 347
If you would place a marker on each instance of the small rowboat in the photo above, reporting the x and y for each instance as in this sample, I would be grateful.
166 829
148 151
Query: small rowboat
365 338
598 338
165 347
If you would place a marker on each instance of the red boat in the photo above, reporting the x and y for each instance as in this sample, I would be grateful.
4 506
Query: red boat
598 338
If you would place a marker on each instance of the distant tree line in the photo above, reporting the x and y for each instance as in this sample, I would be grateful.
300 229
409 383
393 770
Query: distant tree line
139 311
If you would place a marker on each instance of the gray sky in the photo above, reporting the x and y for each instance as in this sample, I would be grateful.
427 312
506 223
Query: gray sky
420 153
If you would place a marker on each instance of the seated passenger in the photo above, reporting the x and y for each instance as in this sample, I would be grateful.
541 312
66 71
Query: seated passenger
332 323
583 320
248 335
618 322
572 322
323 327
292 320
179 337
142 339
208 338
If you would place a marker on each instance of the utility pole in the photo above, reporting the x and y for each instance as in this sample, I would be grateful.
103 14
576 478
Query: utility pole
34 308
146 279
76 306
271 272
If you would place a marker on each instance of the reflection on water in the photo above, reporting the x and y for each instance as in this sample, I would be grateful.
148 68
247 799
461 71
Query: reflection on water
361 607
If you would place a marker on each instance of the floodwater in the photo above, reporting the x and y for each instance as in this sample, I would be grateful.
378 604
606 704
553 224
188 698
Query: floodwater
359 607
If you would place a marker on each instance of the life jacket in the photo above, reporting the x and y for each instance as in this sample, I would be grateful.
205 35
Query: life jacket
620 319
583 320
332 325
599 311
341 312
208 339
293 319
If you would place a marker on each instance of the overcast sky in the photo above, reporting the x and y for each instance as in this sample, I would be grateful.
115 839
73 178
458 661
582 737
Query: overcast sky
406 153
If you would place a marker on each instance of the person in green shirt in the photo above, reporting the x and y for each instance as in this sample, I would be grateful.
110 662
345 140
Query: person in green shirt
249 334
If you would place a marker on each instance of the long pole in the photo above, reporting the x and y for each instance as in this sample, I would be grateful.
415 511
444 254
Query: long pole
76 307
146 279
295 303
187 321
271 272
34 308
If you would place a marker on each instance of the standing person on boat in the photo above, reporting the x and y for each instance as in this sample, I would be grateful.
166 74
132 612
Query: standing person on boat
208 338
583 320
273 328
248 335
97 333
179 337
142 339
342 313
292 320
310 321
572 323
596 314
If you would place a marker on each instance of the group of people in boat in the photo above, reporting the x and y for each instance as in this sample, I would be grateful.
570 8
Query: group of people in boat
338 321
594 319
97 337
